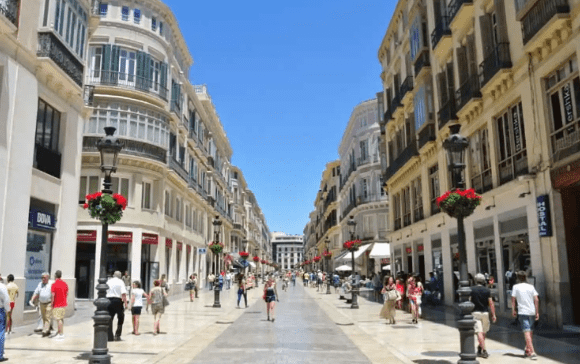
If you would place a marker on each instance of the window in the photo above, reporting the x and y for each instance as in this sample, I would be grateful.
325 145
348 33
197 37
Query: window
161 28
177 209
417 200
480 164
167 203
125 13
513 160
563 88
153 24
364 150
121 186
103 9
146 196
407 206
127 65
397 210
365 190
88 185
70 23
137 16
47 126
434 188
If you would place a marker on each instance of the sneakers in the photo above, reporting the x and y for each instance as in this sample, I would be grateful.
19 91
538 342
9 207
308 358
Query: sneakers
478 350
533 356
484 354
59 337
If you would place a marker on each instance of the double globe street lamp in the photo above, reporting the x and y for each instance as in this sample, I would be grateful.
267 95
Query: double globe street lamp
455 146
109 147
352 229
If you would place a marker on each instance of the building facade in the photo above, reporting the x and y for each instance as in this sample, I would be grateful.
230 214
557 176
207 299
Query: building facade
287 250
507 71
42 61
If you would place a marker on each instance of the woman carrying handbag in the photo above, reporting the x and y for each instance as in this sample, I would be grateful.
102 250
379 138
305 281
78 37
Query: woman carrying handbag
391 297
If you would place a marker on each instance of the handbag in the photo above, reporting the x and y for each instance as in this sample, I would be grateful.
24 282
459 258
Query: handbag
165 301
392 295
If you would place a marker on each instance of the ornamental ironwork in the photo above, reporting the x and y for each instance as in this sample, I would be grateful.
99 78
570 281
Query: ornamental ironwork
51 47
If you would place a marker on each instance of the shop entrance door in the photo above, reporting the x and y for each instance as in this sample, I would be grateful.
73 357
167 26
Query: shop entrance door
85 270
571 208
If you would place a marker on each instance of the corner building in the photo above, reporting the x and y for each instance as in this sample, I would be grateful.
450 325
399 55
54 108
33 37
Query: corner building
507 71
175 168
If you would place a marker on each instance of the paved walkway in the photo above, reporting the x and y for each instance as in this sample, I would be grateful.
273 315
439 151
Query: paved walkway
301 333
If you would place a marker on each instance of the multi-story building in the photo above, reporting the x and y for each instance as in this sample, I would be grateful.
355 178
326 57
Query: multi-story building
175 168
287 250
507 71
42 60
352 186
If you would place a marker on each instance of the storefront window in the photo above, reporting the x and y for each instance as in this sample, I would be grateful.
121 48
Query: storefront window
516 257
38 248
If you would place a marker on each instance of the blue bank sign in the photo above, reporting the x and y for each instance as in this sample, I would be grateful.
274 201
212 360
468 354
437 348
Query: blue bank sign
544 217
42 220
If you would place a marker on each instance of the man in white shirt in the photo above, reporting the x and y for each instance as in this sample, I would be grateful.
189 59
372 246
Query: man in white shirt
117 295
44 295
526 297
228 280
211 280
4 308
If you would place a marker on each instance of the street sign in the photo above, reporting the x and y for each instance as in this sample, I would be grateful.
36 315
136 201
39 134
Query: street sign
201 250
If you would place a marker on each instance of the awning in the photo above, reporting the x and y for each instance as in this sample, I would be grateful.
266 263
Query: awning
252 264
343 268
347 255
387 267
341 255
380 250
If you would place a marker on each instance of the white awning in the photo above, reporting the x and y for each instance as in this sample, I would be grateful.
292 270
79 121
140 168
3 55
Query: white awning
380 250
252 264
341 255
346 256
387 267
361 250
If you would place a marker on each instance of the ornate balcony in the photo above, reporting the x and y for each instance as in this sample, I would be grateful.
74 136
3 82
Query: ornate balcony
446 113
179 169
460 12
51 47
130 147
9 9
468 91
409 152
406 89
427 135
422 62
441 31
497 60
535 15
125 80
566 141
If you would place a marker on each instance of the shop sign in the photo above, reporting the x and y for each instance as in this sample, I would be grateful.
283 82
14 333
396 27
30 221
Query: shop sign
385 261
517 129
87 235
150 239
568 108
120 237
201 250
544 219
168 243
566 175
41 220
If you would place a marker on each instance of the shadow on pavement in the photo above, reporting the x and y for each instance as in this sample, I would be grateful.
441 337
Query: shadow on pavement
429 361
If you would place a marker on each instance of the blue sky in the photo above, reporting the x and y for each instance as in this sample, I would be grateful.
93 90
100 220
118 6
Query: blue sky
284 77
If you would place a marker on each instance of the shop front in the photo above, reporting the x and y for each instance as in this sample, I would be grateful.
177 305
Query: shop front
149 267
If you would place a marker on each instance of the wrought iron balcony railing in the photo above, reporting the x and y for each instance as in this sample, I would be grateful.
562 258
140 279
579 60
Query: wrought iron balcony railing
126 80
498 59
446 112
9 8
540 14
469 90
178 168
130 147
454 7
426 135
422 61
407 86
51 47
441 29
409 152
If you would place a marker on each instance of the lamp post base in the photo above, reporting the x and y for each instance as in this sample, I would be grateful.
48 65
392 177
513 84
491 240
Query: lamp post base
354 298
216 297
328 285
466 324
100 353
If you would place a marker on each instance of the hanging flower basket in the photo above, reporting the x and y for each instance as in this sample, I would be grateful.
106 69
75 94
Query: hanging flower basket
327 254
105 207
263 261
244 255
352 245
256 259
316 259
216 247
459 203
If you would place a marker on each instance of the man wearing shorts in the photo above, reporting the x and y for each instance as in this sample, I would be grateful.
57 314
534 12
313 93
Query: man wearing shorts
483 303
59 292
528 310
13 293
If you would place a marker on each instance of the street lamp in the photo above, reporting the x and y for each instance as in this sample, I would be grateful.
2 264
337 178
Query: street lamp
217 223
352 229
455 146
327 243
109 148
257 279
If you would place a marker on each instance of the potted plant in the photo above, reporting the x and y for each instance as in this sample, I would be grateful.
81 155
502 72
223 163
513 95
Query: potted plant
316 259
244 255
327 254
105 207
256 259
459 203
216 247
352 245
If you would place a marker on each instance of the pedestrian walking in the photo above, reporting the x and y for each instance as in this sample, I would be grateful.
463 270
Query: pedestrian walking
285 283
412 292
211 280
220 282
43 294
391 295
336 282
137 295
305 279
127 280
196 287
12 293
4 308
525 296
271 297
228 280
156 298
483 303
419 290
241 282
117 295
59 291
293 279
192 285
163 283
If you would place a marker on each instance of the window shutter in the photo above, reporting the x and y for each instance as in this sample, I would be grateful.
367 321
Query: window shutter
147 74
501 20
140 67
461 53
106 64
115 50
163 76
486 34
443 97
471 56
450 80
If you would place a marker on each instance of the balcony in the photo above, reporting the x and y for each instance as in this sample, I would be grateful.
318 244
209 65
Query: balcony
566 141
130 147
422 63
441 33
409 152
363 161
405 90
175 107
538 14
362 199
348 209
210 162
467 92
388 116
237 226
460 12
210 200
514 166
351 169
9 9
126 80
427 135
446 113
395 103
418 213
397 223
47 160
179 169
483 182
49 46
497 60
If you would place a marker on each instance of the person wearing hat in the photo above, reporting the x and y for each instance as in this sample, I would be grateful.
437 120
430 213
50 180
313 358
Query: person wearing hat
483 304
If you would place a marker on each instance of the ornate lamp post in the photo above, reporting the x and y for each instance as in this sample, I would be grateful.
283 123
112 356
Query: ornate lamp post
256 272
455 146
217 223
352 229
327 264
109 148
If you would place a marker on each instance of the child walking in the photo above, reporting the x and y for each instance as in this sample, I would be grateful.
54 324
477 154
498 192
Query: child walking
137 295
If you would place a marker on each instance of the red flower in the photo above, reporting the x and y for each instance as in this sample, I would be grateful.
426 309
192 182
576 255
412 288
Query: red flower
85 206
120 200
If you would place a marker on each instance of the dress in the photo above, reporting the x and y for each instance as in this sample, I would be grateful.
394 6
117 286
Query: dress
157 301
270 294
388 311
